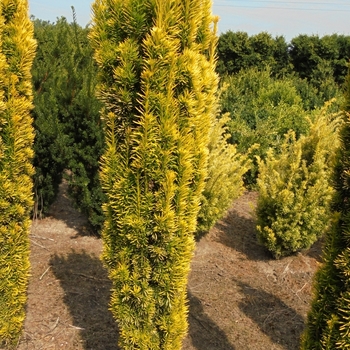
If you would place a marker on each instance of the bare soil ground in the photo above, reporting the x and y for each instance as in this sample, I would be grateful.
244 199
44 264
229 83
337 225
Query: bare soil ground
239 297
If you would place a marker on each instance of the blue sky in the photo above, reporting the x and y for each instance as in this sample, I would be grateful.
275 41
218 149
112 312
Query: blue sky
287 18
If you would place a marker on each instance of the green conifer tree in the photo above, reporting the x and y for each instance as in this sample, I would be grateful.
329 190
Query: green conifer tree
328 324
66 116
158 85
17 50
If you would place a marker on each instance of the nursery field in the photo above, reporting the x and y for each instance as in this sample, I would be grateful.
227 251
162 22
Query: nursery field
239 297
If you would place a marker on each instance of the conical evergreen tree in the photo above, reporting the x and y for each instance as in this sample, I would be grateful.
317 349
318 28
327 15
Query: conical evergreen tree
66 118
295 187
17 49
158 85
328 323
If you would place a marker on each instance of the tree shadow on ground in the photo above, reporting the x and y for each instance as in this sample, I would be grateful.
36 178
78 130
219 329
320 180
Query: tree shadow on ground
63 209
205 334
276 319
315 251
239 232
87 295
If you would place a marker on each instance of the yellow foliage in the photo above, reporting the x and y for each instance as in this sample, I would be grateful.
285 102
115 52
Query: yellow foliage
17 49
295 189
159 89
224 183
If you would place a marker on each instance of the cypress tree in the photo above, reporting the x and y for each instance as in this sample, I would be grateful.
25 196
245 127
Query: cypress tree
17 49
328 320
158 86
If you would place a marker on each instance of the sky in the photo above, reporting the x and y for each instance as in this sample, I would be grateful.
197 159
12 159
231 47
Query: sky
286 18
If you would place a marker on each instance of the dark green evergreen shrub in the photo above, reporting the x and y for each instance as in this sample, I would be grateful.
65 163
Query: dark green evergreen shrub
262 109
306 56
17 50
295 191
310 96
310 54
158 86
68 127
237 51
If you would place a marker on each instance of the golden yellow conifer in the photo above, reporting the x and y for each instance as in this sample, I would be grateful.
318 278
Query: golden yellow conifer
327 325
158 85
295 188
17 50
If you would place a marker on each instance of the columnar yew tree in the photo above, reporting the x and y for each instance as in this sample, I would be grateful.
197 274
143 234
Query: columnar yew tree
328 321
158 85
17 49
